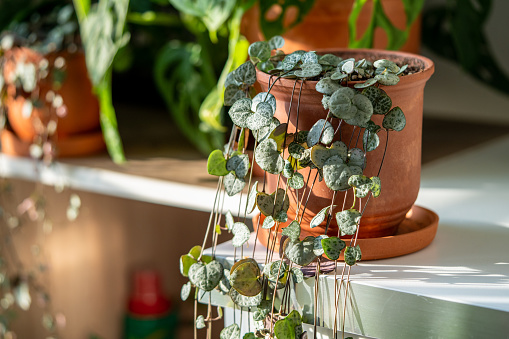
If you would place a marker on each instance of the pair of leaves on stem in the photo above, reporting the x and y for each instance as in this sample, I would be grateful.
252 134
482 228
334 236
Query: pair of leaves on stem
348 104
295 179
394 118
363 185
206 276
273 205
253 114
238 81
234 170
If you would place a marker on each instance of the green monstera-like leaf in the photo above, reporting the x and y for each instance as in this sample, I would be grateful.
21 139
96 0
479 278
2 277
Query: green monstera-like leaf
232 184
322 131
206 276
292 231
352 255
272 204
216 163
241 234
301 252
336 173
381 102
244 277
348 220
268 157
394 120
230 332
332 247
320 154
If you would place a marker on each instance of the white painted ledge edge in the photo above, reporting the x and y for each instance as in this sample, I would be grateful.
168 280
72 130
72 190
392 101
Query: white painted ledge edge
111 183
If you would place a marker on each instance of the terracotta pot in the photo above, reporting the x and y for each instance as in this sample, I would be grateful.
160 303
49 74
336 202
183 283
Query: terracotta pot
326 26
76 91
400 174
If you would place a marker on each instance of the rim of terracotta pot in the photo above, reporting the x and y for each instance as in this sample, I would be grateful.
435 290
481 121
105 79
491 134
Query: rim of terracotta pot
401 58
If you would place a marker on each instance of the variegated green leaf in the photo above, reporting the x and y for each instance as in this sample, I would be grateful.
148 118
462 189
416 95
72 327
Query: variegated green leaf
322 131
229 220
309 70
206 277
246 73
394 120
232 93
301 252
271 204
232 184
268 158
241 234
336 173
320 154
327 86
268 222
319 217
245 301
332 247
352 255
276 42
356 157
317 245
262 116
239 164
245 278
296 181
240 112
259 51
348 220
185 291
251 198
230 332
263 97
264 132
292 231
200 322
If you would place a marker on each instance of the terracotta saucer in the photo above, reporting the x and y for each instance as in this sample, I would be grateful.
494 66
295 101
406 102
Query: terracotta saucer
72 146
415 233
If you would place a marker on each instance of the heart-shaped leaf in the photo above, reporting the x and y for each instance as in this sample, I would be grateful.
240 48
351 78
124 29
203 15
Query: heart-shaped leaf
232 184
348 220
292 231
224 283
329 59
195 252
370 140
386 64
322 131
251 198
216 163
309 70
283 330
245 278
232 93
200 322
281 216
376 186
276 42
264 97
241 234
230 332
269 222
206 277
309 58
394 120
297 275
276 271
363 113
245 301
268 157
229 220
366 84
287 169
240 112
317 245
262 116
296 150
262 311
387 79
336 173
362 185
319 217
338 76
348 66
327 86
332 247
264 132
301 252
352 255
296 181
295 321
356 157
271 204
185 291
186 261
259 51
246 73
381 102
320 154
340 103
239 164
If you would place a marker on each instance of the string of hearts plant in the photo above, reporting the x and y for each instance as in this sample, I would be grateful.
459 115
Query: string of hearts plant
264 288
